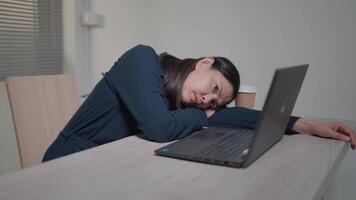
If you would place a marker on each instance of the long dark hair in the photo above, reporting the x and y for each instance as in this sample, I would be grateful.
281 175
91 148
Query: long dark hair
177 70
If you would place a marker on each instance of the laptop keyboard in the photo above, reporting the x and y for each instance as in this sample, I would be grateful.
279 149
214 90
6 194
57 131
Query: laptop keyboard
228 146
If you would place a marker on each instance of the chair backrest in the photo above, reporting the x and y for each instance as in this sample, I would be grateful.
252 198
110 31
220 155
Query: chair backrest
40 107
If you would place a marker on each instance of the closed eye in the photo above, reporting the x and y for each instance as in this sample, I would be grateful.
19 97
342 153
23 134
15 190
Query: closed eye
215 88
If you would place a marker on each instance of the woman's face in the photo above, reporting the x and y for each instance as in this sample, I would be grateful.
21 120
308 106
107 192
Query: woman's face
205 87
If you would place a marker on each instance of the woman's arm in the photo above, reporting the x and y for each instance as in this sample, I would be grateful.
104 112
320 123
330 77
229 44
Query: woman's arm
137 80
237 117
333 130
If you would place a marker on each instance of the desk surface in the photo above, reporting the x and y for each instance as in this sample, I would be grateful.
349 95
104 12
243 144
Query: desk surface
298 167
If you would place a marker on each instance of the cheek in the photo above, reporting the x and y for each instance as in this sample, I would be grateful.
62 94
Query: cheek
190 85
197 84
185 91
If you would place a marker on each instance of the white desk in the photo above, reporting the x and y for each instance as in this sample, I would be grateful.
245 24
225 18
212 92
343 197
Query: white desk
298 167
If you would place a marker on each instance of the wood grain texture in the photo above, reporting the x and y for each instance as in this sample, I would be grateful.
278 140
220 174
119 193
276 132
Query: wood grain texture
295 168
40 107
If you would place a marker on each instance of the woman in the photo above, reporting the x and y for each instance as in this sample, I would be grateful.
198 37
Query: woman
166 98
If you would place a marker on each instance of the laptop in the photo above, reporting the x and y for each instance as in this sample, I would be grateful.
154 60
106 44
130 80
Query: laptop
241 147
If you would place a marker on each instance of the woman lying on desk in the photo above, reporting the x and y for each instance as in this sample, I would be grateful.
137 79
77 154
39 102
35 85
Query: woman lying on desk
166 98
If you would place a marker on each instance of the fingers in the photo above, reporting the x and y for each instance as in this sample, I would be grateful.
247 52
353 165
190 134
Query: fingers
340 127
339 136
353 140
335 130
348 131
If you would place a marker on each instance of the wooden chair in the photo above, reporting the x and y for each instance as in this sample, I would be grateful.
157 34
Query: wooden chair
40 108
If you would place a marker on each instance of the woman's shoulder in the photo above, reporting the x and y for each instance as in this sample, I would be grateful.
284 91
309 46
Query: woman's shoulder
142 51
141 59
143 47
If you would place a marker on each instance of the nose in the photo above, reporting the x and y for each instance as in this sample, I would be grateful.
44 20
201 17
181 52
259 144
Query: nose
207 98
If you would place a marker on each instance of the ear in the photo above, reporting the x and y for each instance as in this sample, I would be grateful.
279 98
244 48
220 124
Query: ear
204 63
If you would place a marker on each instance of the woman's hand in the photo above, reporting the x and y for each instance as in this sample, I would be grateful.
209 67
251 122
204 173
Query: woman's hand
335 130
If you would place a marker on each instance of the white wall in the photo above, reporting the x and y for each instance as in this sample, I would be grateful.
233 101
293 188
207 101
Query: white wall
76 44
258 36
123 28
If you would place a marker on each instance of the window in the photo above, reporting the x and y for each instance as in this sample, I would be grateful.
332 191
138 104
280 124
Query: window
30 37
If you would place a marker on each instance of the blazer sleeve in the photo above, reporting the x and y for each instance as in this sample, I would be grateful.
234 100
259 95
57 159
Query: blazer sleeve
237 117
137 79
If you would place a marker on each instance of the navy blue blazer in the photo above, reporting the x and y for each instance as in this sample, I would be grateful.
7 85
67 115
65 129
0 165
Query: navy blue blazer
129 99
